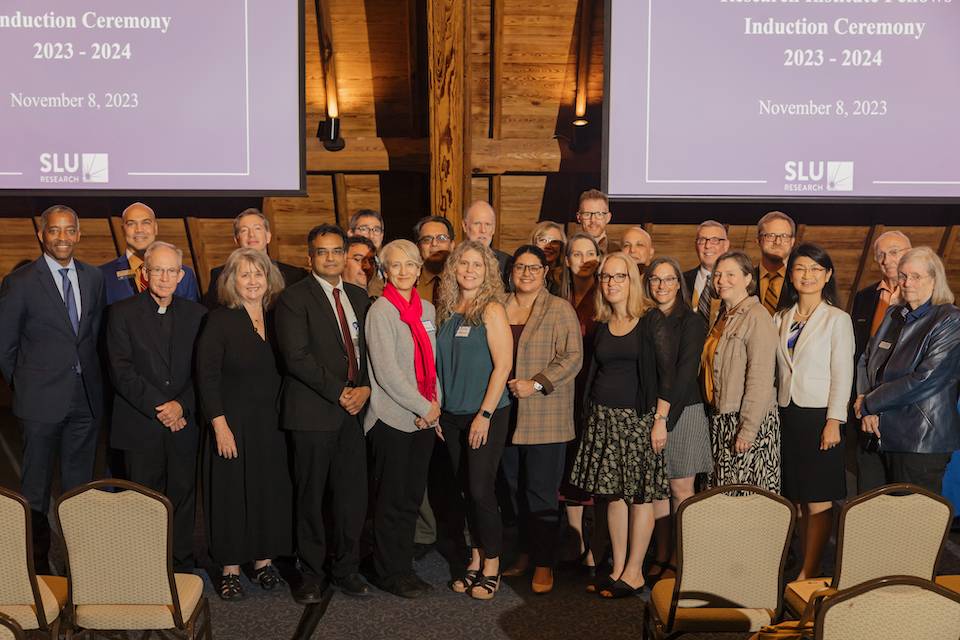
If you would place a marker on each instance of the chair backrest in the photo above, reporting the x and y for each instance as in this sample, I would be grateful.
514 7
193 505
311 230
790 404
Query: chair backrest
890 608
118 545
19 583
732 548
10 630
898 529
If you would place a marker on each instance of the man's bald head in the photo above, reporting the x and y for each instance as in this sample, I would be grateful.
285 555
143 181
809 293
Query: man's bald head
638 244
139 227
480 222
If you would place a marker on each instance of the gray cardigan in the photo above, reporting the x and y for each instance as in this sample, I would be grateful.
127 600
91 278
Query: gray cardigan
394 398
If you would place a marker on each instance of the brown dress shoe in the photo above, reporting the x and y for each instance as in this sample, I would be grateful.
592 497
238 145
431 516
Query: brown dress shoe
542 580
519 567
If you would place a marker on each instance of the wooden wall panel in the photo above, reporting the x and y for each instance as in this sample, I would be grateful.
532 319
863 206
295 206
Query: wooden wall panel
213 242
519 209
363 192
18 241
294 217
675 240
845 246
953 263
96 241
480 29
479 190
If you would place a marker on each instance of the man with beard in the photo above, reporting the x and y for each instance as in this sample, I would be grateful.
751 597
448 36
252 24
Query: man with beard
434 236
776 235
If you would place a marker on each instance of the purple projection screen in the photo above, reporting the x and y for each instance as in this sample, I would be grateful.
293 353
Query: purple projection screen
151 96
783 99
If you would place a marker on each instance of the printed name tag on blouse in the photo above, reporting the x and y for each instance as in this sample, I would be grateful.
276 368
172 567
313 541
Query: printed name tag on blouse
463 332
884 345
428 325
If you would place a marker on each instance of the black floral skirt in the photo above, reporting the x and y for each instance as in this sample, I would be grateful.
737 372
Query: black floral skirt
616 459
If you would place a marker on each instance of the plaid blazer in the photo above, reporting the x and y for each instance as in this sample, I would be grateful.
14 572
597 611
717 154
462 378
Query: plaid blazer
550 351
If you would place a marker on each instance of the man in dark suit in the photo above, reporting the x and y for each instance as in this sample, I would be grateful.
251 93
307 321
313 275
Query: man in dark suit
319 324
124 277
869 306
251 230
480 225
776 235
711 243
150 340
50 314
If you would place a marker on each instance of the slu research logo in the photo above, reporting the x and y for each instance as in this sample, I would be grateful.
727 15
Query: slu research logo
73 168
839 176
818 175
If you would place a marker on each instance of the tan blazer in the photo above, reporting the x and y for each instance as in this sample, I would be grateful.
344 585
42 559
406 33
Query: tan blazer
550 351
744 364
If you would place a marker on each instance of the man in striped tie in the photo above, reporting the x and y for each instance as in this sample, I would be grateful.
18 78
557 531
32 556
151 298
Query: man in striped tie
711 243
776 235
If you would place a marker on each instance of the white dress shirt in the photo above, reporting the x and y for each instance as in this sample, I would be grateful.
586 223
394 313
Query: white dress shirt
347 310
58 279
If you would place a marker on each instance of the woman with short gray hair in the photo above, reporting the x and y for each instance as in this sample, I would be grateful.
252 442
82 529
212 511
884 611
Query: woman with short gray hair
908 380
403 414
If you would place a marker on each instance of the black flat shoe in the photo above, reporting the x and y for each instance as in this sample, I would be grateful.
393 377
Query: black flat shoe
353 585
599 584
621 589
230 587
310 592
401 586
267 577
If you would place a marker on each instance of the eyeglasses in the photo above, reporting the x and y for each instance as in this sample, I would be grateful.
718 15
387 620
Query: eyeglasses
156 272
668 281
590 215
775 237
711 242
425 240
802 271
619 278
367 229
912 278
323 253
893 253
532 269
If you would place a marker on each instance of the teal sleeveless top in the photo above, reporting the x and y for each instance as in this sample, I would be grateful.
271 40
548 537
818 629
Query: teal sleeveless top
464 366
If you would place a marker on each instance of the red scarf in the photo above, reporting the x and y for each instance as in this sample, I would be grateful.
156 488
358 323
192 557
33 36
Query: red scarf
423 362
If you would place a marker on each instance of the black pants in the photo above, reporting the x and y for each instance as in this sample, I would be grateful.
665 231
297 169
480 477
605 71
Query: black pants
401 462
870 466
172 470
75 440
533 474
922 469
476 471
337 458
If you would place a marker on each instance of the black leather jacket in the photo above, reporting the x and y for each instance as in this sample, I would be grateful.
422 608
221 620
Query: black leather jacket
917 397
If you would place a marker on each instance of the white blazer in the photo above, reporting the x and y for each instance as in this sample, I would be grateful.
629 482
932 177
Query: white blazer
820 371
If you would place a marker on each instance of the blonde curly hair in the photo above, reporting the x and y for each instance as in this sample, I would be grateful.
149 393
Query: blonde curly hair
491 290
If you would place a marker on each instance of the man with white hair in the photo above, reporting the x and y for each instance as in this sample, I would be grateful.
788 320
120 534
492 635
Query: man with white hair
124 277
711 242
869 306
480 225
150 339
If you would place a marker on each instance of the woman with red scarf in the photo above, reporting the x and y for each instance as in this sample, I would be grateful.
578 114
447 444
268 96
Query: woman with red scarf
401 421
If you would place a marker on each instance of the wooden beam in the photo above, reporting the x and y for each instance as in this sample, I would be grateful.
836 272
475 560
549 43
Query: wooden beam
201 267
370 155
448 29
341 211
948 242
865 255
413 68
496 68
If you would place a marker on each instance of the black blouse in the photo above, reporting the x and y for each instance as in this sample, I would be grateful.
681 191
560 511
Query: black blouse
689 331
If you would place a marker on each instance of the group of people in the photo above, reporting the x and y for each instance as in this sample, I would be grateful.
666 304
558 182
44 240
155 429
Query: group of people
579 372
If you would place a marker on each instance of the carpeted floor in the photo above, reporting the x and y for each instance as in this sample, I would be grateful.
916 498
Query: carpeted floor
515 614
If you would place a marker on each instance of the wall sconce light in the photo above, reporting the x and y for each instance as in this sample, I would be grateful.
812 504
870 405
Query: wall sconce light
329 129
329 134
578 140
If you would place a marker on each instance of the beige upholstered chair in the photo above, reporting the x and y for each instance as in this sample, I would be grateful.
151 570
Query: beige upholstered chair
898 529
731 552
33 602
9 629
121 567
891 608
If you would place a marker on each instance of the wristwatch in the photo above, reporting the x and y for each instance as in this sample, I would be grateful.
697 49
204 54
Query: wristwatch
657 416
486 414
537 387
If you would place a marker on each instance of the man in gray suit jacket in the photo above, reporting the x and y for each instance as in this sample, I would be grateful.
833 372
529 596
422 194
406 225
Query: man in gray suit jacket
50 313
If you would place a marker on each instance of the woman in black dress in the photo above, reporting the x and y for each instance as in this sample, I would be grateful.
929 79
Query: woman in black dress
248 489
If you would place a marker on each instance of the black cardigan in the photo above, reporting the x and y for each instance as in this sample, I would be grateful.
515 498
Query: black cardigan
689 332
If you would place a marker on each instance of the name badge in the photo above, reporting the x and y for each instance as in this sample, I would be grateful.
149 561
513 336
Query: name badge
463 331
884 344
428 325
125 273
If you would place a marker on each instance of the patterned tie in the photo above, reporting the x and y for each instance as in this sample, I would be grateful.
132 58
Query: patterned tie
70 301
347 338
435 290
770 298
141 280
706 297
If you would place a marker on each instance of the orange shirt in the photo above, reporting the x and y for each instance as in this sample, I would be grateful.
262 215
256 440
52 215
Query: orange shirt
888 296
